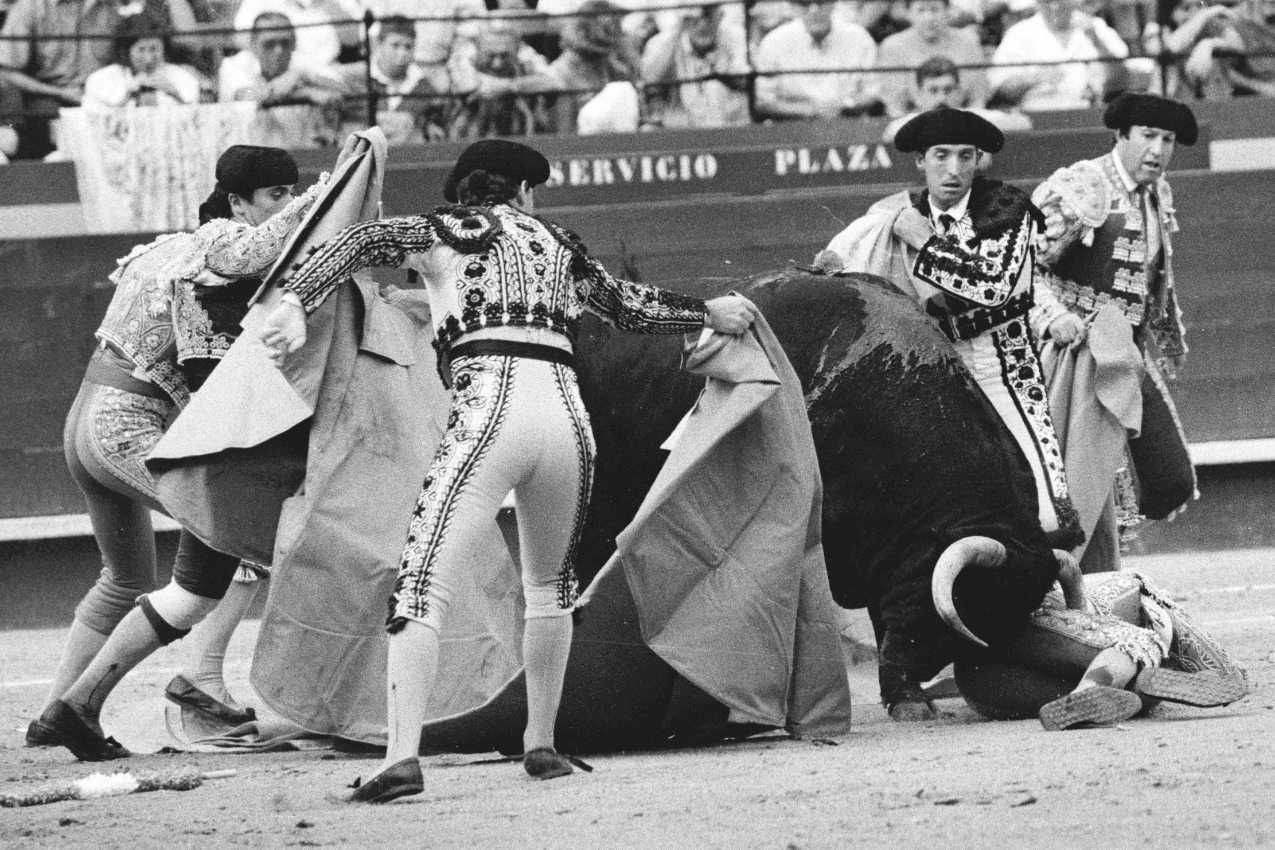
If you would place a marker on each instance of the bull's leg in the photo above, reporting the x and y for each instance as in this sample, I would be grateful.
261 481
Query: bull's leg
901 692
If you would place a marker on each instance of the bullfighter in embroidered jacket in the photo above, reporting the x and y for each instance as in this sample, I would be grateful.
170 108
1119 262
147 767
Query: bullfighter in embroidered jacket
1105 272
174 313
962 246
506 292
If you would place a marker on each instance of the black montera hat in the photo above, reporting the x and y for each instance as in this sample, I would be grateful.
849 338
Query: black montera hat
498 156
243 169
945 126
1151 110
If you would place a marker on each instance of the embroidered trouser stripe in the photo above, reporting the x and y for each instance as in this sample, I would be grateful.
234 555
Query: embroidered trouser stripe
515 425
1005 366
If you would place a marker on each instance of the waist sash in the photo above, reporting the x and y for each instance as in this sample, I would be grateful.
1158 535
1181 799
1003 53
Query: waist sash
500 348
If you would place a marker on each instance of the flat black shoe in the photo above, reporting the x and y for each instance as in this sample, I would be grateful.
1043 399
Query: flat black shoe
546 763
1099 706
39 735
73 733
398 780
184 692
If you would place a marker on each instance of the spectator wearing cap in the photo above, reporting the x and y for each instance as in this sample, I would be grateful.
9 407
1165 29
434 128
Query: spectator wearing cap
963 246
806 66
269 72
929 36
1105 268
702 67
141 74
408 107
506 290
1085 58
938 85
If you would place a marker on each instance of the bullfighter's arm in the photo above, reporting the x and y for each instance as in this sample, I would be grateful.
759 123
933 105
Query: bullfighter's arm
386 242
236 250
986 275
638 307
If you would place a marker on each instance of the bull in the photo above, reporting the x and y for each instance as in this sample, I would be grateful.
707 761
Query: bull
929 515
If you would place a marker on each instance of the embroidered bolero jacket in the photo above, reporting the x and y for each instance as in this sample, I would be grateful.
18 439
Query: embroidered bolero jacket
155 317
1094 252
496 266
985 261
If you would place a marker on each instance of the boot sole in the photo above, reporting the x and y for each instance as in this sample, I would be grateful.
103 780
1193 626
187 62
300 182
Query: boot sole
1205 690
1097 705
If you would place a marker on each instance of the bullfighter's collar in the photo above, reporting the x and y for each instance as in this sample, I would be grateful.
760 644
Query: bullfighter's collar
994 206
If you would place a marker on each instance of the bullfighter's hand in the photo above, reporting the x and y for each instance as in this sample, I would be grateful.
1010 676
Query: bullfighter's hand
913 228
1067 329
730 314
284 331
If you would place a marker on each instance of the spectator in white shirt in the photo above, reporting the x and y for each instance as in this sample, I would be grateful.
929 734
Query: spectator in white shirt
1059 31
266 72
140 75
813 54
318 40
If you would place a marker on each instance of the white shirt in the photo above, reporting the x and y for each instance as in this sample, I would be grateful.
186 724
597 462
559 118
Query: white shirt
789 47
317 39
243 70
962 226
112 85
1150 214
1075 85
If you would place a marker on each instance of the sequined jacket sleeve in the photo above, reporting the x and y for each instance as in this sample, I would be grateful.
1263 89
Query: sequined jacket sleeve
238 250
386 242
637 307
985 274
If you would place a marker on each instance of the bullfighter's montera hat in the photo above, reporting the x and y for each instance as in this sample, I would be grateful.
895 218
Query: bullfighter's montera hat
513 160
946 126
1149 110
243 169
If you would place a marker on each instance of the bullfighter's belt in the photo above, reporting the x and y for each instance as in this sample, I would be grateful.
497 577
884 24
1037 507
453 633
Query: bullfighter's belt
971 323
501 348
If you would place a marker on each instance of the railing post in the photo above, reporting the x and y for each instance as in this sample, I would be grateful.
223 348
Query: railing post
748 60
368 20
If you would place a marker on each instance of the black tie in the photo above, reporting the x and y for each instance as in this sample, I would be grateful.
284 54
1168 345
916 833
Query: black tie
947 223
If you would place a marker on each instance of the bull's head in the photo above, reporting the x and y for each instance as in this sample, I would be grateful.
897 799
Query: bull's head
982 552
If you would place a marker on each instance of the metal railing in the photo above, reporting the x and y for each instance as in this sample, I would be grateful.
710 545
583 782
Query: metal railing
532 23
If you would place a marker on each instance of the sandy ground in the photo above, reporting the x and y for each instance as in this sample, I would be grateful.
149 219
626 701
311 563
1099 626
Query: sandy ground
1182 778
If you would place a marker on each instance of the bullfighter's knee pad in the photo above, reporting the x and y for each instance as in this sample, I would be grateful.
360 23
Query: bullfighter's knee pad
1004 691
173 611
1166 477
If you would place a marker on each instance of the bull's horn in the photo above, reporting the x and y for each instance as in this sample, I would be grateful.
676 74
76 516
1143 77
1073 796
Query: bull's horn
979 551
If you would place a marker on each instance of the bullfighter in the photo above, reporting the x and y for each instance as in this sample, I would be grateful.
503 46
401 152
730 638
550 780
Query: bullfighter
962 247
507 291
1106 293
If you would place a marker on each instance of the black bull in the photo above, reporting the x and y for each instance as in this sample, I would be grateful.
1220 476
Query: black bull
912 457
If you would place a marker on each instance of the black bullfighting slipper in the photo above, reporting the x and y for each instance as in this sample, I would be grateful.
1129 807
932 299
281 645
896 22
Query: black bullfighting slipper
398 780
1099 704
40 735
72 732
1205 689
548 763
184 692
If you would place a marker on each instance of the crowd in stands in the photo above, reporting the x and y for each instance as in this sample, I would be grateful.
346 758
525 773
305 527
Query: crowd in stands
431 70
